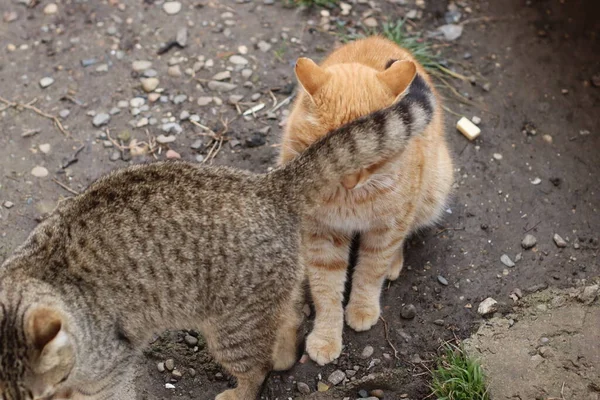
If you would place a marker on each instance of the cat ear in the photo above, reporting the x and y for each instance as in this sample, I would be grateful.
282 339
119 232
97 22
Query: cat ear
310 75
398 76
44 325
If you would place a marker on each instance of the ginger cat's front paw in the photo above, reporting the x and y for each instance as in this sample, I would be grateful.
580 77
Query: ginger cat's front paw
362 316
323 349
228 395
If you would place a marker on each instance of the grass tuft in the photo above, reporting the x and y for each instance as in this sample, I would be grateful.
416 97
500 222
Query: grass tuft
458 376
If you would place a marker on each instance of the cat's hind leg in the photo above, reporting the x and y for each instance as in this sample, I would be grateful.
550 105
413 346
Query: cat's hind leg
285 352
242 342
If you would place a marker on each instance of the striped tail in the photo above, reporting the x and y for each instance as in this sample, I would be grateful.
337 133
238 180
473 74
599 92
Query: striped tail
359 144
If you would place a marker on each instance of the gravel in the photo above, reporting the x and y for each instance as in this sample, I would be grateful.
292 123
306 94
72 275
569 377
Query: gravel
39 172
46 81
172 7
100 119
507 261
559 241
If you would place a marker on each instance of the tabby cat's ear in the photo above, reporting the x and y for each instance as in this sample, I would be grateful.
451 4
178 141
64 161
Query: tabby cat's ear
44 325
310 75
398 76
46 331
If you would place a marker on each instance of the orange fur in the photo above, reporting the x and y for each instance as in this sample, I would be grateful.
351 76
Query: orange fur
385 202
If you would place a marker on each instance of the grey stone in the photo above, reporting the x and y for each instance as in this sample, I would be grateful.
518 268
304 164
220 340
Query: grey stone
46 81
180 98
528 241
409 311
190 340
170 364
162 139
507 261
442 280
367 352
560 242
100 119
140 65
336 377
451 32
182 37
221 86
303 388
172 127
64 113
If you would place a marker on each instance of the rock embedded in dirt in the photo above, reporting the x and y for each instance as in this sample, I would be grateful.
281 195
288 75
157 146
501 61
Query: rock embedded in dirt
336 377
409 311
322 386
451 32
141 65
190 340
160 366
100 119
51 9
238 60
442 280
367 352
378 393
528 241
46 81
150 84
560 242
487 306
221 76
172 7
589 294
44 148
221 86
303 388
182 37
8 204
507 261
170 364
370 22
162 139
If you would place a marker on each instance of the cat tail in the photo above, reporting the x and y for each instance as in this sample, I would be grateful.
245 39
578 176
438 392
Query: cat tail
363 142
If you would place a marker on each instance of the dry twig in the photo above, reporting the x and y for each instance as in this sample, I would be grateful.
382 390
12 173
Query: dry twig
387 337
62 185
29 106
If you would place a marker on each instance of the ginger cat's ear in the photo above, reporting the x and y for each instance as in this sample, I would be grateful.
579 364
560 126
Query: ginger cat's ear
398 76
310 75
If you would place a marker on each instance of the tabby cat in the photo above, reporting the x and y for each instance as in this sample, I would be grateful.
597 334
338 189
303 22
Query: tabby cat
175 245
384 201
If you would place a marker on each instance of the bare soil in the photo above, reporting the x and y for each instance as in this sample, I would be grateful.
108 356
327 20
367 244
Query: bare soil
533 63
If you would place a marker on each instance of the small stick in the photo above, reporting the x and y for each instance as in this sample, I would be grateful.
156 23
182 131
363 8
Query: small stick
449 229
387 338
273 98
283 103
452 112
62 185
117 145
29 106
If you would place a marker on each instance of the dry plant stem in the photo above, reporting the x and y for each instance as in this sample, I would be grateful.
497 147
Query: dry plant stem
62 185
387 337
452 112
36 110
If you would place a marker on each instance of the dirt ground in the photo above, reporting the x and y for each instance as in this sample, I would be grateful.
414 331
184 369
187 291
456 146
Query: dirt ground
534 169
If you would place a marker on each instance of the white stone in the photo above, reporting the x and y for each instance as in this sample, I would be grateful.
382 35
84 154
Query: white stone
487 306
39 172
172 7
51 9
46 81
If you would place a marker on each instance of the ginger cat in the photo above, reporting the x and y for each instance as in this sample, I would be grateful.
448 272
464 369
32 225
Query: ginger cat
385 202
173 245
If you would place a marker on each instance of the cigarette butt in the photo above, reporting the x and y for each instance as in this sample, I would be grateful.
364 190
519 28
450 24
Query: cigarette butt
467 128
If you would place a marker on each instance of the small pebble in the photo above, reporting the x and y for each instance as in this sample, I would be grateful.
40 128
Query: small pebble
101 119
170 364
476 120
560 242
161 367
528 241
498 156
303 388
149 84
370 22
39 172
46 81
507 261
409 311
442 280
238 60
172 154
487 306
162 139
50 9
8 204
141 65
336 377
172 7
367 352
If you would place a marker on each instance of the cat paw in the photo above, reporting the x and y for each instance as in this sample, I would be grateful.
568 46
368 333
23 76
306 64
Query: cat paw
228 395
362 317
323 349
395 268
